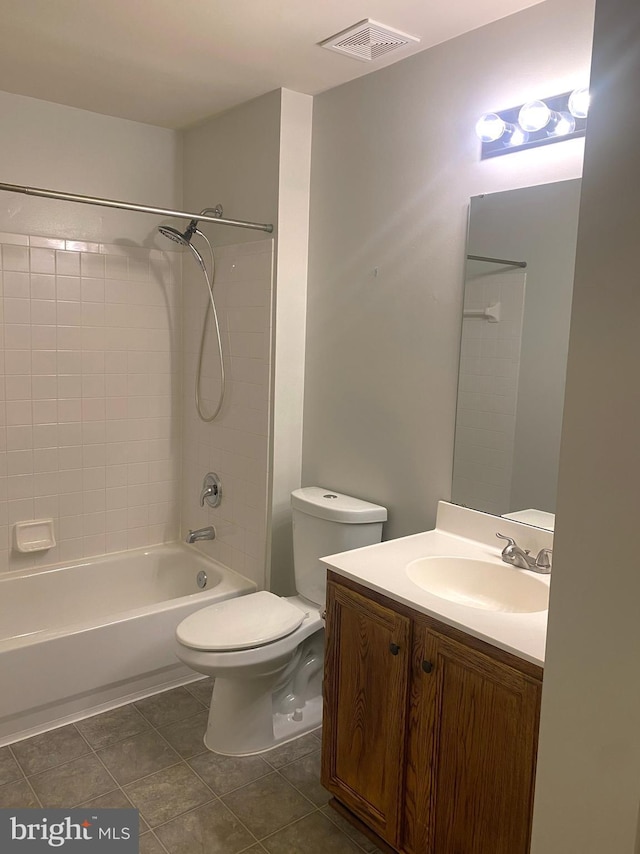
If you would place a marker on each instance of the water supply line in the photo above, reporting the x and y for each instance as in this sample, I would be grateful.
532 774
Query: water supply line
184 239
211 306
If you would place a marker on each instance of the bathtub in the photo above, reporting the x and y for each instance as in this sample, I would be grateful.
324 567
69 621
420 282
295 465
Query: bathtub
94 634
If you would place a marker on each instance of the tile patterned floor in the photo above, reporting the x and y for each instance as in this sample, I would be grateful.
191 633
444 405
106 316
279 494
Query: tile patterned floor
150 754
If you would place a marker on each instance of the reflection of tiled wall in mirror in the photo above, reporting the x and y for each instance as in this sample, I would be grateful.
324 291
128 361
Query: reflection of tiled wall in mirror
488 391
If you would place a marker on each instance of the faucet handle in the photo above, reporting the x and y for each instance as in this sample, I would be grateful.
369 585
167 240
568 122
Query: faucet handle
211 490
511 551
543 559
514 555
511 544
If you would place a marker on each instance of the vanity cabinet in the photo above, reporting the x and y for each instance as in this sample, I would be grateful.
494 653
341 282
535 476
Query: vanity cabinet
366 671
429 735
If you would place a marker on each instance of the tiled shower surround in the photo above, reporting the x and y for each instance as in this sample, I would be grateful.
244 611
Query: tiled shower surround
90 390
91 366
235 445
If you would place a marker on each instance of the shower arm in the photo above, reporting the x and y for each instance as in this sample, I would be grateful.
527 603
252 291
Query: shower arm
127 206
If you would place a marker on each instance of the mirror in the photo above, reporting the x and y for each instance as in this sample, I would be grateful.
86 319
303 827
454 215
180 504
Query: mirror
515 336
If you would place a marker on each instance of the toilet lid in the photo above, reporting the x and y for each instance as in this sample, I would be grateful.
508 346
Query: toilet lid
240 623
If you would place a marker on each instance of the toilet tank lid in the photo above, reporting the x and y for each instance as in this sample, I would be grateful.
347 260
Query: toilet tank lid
335 507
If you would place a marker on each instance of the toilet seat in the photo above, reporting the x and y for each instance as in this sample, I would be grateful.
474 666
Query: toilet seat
241 623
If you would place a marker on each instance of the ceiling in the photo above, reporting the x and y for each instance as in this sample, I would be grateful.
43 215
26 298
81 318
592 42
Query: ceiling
172 63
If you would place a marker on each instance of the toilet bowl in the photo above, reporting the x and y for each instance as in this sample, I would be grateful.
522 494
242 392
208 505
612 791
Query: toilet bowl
258 699
266 652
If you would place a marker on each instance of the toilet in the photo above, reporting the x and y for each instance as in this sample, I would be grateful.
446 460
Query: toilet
265 651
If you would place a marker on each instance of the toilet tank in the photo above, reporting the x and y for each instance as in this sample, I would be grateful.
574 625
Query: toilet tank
326 522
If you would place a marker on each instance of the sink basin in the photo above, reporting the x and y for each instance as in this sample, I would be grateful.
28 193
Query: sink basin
479 584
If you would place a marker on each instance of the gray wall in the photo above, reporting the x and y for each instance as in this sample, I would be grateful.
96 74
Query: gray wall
232 159
588 784
394 162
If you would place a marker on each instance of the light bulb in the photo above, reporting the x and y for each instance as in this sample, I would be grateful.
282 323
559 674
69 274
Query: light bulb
534 116
563 124
579 102
517 136
490 127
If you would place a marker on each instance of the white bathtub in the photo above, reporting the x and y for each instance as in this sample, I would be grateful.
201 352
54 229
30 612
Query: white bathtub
93 634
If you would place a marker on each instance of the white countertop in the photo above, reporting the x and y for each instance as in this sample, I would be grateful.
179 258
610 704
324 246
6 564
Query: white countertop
381 567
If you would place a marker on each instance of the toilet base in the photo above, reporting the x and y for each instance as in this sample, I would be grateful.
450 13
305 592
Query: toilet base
285 729
249 716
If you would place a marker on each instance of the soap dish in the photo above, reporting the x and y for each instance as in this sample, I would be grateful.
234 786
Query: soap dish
34 536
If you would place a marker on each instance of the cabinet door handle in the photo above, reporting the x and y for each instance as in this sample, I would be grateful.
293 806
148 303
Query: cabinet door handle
394 649
427 666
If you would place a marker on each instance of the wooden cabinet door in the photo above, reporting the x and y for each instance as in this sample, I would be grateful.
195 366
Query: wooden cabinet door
365 701
473 732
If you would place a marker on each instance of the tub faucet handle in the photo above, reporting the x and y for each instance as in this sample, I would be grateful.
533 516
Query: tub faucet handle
211 490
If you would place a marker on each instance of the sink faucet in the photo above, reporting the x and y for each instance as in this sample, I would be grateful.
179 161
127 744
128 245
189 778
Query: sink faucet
515 556
208 533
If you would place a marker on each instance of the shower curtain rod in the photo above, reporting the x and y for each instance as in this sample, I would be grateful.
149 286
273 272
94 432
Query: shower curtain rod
127 206
497 261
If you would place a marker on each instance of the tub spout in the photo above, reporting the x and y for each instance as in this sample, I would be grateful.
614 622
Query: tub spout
208 533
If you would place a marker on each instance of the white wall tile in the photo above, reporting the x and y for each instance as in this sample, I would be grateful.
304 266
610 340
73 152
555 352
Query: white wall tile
17 337
68 286
17 362
43 260
67 263
43 311
92 265
16 285
43 362
43 286
77 317
15 258
14 239
92 289
17 310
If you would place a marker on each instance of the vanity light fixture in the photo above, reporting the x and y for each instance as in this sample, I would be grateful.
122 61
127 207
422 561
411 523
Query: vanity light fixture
538 122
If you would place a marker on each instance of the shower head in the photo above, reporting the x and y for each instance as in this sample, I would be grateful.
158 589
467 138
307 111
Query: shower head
173 234
184 239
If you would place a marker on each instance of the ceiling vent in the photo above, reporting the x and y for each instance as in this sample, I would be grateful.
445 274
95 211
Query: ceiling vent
368 40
